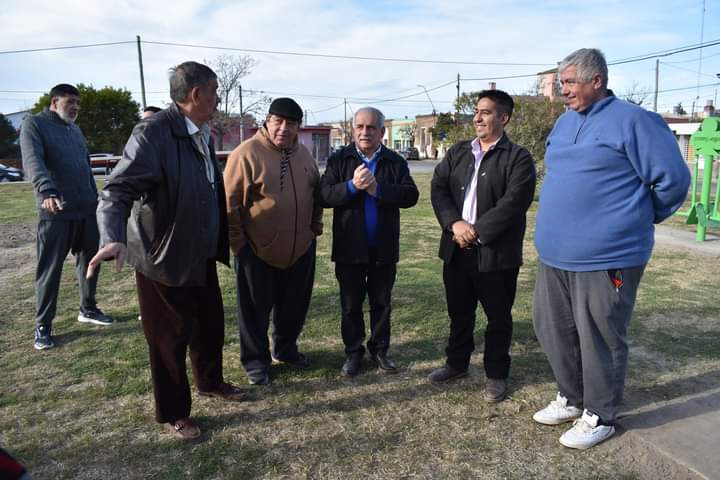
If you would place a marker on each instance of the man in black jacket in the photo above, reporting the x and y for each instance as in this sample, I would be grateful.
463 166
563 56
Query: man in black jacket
480 193
178 229
366 184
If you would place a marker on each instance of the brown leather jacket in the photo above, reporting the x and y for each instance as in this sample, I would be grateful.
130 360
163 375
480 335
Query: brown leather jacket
272 206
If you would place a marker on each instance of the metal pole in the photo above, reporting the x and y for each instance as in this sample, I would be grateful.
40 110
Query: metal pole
142 75
242 118
657 78
457 102
345 123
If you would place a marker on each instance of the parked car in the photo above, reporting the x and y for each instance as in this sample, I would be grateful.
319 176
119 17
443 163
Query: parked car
103 163
10 174
410 153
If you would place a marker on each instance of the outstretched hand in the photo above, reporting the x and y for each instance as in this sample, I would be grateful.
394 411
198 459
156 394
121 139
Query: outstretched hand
115 250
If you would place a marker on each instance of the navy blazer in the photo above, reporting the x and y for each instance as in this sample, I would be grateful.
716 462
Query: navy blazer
505 190
397 190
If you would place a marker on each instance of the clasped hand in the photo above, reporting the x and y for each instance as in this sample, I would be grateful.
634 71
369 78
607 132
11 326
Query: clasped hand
463 234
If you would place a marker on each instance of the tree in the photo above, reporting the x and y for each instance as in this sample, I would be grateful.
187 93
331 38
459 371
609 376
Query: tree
8 135
107 116
634 95
230 70
679 110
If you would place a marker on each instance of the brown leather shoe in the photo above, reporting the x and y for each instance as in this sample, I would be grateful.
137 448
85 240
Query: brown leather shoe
495 390
225 391
183 429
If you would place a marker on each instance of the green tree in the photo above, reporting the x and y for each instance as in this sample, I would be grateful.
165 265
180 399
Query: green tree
8 135
107 116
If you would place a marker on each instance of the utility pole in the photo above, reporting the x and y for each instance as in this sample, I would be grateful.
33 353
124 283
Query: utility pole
657 77
242 118
345 123
457 102
142 75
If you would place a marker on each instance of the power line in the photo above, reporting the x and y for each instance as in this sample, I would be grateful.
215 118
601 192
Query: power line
343 57
665 53
47 49
686 69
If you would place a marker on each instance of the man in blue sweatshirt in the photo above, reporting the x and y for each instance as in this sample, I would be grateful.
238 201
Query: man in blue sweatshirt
613 170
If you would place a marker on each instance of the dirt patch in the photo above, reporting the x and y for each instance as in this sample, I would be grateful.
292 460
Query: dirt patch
682 320
17 253
13 235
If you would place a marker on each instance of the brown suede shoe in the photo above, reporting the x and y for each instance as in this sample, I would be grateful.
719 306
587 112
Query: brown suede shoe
183 429
226 391
495 390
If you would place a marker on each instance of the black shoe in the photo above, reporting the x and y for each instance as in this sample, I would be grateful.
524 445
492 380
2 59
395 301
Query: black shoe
445 374
259 378
43 338
94 316
384 363
300 361
351 367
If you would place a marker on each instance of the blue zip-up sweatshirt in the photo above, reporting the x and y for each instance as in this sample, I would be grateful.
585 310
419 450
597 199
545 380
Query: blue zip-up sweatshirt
612 171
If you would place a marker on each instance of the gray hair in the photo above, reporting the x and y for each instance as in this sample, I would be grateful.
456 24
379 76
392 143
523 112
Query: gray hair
379 117
588 62
187 76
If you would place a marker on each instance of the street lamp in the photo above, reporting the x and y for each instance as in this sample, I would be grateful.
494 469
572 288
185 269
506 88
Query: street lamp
430 99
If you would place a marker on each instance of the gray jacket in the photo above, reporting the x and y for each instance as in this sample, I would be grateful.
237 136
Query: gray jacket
55 158
161 180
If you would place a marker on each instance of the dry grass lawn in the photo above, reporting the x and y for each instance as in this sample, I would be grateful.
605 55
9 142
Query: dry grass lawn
84 409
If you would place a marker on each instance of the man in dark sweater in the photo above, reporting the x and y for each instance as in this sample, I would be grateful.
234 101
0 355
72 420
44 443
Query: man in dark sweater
55 157
480 193
366 184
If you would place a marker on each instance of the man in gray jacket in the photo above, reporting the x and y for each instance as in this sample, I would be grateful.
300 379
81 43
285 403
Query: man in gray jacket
55 157
170 178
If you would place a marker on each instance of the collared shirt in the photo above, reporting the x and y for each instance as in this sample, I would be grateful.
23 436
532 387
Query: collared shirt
469 211
370 201
201 137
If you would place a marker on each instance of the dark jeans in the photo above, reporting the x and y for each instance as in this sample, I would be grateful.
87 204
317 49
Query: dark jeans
262 288
175 318
55 238
376 281
581 321
464 287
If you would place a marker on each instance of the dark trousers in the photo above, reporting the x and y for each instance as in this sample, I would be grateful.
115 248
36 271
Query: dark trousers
262 288
581 321
175 318
55 239
357 280
464 287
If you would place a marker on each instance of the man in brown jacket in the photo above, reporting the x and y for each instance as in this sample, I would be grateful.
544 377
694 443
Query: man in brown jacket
273 219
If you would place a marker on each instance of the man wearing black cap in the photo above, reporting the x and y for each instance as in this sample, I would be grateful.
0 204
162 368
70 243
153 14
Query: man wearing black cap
270 183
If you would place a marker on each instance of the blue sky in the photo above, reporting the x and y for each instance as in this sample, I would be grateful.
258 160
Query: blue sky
525 32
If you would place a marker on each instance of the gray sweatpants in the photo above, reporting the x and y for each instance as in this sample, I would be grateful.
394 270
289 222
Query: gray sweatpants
55 238
581 321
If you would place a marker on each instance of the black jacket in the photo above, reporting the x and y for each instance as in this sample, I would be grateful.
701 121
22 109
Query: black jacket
397 190
162 178
505 189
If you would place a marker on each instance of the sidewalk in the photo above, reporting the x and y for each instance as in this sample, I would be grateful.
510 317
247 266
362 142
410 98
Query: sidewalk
673 237
678 437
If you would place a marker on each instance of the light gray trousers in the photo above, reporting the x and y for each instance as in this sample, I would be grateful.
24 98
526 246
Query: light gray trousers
581 321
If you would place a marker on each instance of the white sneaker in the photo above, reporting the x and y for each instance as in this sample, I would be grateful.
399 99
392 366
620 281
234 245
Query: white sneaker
557 412
586 432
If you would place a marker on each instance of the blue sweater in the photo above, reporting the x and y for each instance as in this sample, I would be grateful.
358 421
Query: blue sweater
612 171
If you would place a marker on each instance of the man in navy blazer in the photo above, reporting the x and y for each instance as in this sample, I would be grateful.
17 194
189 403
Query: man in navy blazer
480 193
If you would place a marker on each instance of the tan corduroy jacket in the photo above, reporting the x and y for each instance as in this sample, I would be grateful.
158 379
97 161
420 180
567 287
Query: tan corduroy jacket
271 200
